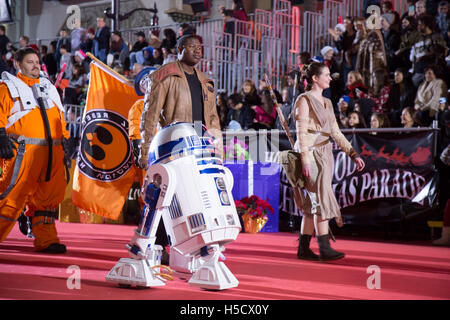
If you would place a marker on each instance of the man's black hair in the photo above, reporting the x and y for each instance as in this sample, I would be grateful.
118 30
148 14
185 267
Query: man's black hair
182 40
22 52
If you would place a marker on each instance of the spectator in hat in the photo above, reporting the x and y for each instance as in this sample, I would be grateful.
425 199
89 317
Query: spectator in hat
81 59
387 7
345 106
136 54
336 86
391 40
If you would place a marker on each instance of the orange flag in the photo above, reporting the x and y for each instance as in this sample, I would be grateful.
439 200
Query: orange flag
104 169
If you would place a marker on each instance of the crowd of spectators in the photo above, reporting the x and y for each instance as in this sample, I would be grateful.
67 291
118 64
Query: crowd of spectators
396 76
398 71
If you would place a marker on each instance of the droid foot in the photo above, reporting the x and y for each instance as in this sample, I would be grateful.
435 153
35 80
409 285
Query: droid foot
134 272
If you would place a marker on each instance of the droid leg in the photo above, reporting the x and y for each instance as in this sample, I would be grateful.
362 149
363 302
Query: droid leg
142 267
211 273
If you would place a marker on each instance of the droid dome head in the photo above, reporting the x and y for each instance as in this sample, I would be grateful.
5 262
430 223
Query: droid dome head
181 139
142 80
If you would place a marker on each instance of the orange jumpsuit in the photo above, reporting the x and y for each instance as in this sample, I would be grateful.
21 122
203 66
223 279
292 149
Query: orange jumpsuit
31 187
134 121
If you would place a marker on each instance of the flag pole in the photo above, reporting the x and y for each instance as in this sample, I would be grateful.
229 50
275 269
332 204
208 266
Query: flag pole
94 58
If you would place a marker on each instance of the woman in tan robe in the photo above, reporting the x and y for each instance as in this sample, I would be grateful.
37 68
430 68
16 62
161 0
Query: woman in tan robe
315 125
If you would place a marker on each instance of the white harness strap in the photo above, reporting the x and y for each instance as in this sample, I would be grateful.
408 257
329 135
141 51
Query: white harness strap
25 101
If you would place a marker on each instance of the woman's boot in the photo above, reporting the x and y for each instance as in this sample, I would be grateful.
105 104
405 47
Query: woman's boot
326 253
304 252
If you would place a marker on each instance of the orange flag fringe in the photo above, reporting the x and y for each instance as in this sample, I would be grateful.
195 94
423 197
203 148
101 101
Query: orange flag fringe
104 169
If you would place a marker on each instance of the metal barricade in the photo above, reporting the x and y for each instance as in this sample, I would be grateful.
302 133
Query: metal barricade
313 32
246 62
353 8
270 43
73 116
222 61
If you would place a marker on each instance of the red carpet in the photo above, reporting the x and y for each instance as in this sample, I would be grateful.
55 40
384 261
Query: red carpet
265 265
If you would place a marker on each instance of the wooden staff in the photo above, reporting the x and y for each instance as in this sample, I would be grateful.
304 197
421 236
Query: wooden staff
288 133
279 111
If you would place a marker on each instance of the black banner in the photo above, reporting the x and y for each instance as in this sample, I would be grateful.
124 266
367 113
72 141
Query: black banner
399 180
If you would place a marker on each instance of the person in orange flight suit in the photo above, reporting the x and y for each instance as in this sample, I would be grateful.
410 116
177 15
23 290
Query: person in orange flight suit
37 126
141 83
134 121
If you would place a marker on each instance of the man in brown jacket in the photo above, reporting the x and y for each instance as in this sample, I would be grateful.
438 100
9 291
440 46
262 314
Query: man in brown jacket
180 93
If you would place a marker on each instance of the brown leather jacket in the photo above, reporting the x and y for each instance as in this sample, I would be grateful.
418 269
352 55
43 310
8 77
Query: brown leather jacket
170 101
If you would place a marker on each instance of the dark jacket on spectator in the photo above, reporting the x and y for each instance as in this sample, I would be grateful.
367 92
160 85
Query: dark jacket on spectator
61 41
50 63
3 42
400 97
408 37
102 36
244 116
138 46
391 44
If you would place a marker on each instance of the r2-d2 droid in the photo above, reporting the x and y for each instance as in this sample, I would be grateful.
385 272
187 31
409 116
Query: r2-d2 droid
187 185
